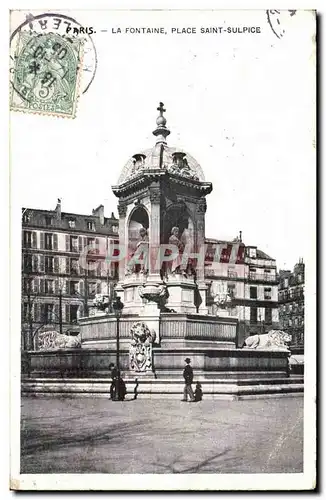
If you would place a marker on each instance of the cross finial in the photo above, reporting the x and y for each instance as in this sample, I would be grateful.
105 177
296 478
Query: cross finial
161 108
161 131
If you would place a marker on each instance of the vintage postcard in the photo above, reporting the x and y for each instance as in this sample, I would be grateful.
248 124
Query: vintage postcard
163 197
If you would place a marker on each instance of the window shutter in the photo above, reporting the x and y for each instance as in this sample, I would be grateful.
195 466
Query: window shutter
42 315
80 244
56 313
67 243
97 245
55 241
67 266
42 287
35 264
41 263
36 285
56 264
98 287
42 240
36 312
85 241
34 239
56 287
67 313
81 288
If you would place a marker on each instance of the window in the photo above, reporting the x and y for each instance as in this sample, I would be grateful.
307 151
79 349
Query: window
73 313
253 315
90 225
91 243
267 270
91 289
267 293
48 265
73 287
48 220
48 242
92 265
268 315
48 286
252 253
74 266
232 274
115 229
72 223
26 311
74 243
27 285
28 239
253 292
231 290
49 313
26 217
28 263
286 282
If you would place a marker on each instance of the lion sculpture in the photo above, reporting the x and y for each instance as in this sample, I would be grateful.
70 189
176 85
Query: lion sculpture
55 340
274 340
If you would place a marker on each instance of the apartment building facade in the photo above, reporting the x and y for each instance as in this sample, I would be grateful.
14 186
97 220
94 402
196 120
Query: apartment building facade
58 286
291 302
252 284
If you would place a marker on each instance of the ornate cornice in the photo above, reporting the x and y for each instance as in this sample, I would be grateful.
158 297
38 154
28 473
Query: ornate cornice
146 178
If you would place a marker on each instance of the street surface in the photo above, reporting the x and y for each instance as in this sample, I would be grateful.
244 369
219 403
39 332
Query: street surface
89 435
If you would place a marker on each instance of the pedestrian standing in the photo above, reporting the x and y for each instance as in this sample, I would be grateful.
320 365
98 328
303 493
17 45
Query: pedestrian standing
114 376
188 376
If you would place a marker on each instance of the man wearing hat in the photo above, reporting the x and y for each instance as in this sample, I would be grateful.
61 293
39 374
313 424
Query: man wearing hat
188 376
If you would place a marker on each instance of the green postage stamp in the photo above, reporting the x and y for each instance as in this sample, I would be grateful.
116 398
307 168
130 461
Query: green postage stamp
46 74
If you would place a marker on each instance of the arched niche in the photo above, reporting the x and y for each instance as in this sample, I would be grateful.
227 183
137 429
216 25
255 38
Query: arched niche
177 215
138 219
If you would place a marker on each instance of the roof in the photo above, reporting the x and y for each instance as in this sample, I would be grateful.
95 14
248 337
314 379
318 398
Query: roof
263 255
161 157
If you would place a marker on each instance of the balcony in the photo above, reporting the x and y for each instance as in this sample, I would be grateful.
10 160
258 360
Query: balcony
266 277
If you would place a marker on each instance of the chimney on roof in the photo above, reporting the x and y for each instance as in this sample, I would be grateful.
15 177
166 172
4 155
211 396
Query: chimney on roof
113 216
99 212
58 208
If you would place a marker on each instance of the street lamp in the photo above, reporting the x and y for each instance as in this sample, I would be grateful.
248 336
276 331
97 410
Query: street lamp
117 308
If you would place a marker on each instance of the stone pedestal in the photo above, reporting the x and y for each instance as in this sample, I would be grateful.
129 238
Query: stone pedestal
181 294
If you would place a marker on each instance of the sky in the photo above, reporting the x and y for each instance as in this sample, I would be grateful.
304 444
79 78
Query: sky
241 104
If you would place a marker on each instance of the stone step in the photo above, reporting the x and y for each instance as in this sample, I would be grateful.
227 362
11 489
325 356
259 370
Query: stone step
157 388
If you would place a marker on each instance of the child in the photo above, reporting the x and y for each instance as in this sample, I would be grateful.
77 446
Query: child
198 392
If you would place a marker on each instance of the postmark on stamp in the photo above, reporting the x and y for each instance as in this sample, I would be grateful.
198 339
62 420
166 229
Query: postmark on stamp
63 25
46 74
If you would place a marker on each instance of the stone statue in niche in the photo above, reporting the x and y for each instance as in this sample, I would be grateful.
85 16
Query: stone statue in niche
174 240
140 350
139 260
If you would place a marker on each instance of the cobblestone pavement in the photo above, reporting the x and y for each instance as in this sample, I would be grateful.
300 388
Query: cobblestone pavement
89 435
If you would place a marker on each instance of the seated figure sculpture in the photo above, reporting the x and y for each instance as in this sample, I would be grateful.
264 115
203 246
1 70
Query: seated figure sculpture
174 240
139 260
